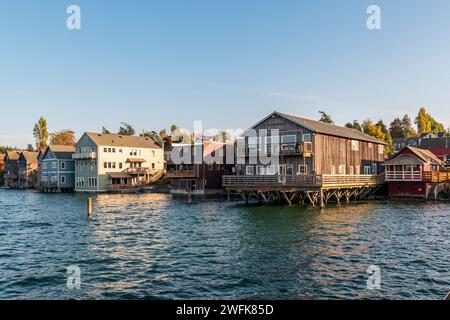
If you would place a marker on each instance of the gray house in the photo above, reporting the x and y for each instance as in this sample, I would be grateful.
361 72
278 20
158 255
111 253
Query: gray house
57 169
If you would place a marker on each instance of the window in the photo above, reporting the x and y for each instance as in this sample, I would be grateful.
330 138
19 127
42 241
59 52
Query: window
342 169
120 165
44 178
366 169
44 165
105 149
307 137
153 153
261 170
114 150
333 169
271 170
352 171
381 149
153 166
63 179
249 170
113 165
374 169
54 178
63 165
218 166
289 139
307 147
288 147
302 169
79 182
109 165
120 150
358 169
109 150
92 182
355 145
54 165
105 165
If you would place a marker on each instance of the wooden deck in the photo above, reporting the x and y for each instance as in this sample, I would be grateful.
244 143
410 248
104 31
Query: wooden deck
317 189
301 181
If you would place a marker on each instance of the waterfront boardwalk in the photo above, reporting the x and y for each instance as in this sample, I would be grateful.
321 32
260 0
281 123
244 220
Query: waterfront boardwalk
316 189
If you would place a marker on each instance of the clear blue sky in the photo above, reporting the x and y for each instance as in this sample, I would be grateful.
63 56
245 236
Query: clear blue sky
228 63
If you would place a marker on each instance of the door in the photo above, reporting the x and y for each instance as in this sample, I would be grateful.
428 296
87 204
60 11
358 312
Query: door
282 173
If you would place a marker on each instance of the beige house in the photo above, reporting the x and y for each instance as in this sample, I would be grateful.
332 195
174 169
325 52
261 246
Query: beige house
106 162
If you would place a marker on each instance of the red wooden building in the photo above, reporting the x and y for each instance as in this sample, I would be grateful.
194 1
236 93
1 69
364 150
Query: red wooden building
416 173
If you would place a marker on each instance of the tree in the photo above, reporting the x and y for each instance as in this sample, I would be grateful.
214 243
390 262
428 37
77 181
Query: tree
407 127
396 129
40 133
173 128
126 130
426 123
326 118
163 133
355 125
423 121
63 137
30 148
105 131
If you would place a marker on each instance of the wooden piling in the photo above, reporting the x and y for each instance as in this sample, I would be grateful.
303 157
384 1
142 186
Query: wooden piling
89 207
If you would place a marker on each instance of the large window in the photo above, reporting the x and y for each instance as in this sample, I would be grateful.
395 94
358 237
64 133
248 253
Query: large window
289 139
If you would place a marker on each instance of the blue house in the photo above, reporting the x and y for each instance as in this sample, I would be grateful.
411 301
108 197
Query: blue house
57 169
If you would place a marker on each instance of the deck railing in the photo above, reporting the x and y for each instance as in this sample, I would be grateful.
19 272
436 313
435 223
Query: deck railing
84 155
122 187
180 174
404 176
436 177
417 176
302 180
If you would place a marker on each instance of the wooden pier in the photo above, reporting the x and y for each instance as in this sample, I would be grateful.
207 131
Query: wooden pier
318 190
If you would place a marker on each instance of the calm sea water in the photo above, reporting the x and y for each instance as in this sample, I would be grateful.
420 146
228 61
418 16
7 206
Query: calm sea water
153 246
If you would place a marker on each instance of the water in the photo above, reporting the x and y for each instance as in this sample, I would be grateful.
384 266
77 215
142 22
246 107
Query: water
156 247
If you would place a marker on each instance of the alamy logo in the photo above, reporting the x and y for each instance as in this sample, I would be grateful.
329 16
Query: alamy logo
73 21
374 279
374 19
73 277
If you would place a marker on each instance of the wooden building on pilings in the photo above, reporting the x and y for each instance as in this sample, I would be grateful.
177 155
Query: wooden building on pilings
311 161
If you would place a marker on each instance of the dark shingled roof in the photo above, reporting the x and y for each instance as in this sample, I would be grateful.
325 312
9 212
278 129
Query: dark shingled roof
332 130
62 152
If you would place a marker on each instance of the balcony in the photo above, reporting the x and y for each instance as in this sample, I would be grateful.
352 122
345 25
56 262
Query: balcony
84 156
180 174
139 171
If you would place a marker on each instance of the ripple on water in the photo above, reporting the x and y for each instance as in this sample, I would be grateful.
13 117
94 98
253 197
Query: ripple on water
159 247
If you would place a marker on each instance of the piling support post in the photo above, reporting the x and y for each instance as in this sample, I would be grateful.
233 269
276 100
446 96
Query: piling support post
322 202
89 207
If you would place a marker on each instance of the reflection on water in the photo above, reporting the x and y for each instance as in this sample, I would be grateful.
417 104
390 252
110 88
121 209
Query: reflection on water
154 246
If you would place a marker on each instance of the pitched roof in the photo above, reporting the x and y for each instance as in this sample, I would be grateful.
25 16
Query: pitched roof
62 152
426 155
13 154
325 128
330 129
116 140
30 156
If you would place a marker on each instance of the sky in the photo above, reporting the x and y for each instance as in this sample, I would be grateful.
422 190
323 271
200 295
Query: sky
226 63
